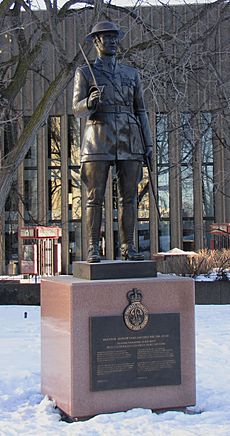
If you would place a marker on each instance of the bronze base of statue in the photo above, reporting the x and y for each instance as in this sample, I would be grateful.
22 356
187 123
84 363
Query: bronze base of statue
129 252
93 254
114 269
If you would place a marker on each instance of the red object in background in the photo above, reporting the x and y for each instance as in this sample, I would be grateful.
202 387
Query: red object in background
29 264
41 250
220 236
40 232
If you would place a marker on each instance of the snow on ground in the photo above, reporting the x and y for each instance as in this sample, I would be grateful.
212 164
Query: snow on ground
24 411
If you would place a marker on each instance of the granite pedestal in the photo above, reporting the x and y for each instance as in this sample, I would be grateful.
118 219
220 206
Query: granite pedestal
71 306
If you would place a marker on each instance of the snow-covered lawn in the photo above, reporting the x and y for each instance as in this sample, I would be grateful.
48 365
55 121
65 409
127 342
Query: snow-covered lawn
24 411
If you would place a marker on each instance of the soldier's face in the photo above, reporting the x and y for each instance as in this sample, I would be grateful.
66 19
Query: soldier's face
106 43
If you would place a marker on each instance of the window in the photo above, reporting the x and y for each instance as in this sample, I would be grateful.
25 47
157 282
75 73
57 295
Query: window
143 214
163 164
11 225
30 193
54 156
207 165
195 132
74 190
187 152
163 180
187 146
74 141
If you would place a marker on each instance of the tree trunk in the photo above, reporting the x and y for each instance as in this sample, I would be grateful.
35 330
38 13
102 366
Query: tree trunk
15 157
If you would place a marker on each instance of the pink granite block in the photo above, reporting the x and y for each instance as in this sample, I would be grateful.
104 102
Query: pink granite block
67 304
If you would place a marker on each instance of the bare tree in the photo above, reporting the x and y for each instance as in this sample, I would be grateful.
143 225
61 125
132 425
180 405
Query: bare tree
17 65
181 62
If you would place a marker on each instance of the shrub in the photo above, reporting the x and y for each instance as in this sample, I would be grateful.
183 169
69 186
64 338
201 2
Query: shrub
207 261
201 263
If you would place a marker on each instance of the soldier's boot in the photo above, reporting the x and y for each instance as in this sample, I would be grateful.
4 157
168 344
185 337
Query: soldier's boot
93 219
126 218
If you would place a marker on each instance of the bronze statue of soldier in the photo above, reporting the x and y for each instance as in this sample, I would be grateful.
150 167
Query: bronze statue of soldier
109 95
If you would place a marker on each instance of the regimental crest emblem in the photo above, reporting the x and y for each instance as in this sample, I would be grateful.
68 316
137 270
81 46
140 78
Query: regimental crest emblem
136 314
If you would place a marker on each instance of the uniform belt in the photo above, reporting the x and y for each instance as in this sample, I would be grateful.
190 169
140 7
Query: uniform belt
114 108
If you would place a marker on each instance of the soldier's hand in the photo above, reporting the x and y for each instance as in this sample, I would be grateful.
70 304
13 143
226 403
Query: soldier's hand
94 98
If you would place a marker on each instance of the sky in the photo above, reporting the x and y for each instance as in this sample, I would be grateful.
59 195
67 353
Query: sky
40 3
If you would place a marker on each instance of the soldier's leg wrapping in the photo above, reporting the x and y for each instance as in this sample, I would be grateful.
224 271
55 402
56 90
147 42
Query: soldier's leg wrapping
129 175
94 175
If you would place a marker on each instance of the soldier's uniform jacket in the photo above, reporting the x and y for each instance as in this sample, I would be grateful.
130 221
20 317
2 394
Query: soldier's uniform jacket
118 128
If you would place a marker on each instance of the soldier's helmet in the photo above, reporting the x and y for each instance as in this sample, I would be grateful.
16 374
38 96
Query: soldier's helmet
104 26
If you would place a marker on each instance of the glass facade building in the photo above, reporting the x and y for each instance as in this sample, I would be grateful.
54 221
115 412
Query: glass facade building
190 170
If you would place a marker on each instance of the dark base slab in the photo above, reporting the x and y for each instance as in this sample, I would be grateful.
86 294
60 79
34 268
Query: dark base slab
212 292
12 293
15 293
114 269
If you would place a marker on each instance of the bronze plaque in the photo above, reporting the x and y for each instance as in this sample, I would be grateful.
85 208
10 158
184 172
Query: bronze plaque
136 315
122 358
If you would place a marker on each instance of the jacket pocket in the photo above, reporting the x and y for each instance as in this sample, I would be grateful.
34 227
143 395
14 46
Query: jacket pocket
95 138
